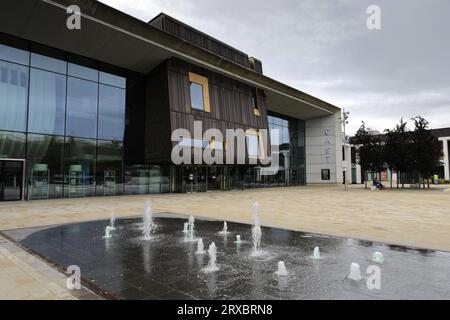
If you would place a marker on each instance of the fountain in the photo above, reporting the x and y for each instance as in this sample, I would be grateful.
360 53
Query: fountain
316 253
225 229
200 247
281 269
191 223
238 239
377 257
212 252
256 230
186 228
355 272
149 225
107 233
112 222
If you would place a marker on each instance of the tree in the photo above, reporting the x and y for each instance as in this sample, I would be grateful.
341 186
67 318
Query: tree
398 150
370 150
425 151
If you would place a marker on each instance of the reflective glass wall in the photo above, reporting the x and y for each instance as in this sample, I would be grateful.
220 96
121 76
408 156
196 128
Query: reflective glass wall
289 135
66 117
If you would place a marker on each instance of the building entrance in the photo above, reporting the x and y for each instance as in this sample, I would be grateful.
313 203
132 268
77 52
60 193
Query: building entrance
11 180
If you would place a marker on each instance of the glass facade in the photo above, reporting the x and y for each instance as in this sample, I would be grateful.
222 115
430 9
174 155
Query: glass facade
12 145
289 135
65 119
79 167
14 96
45 155
47 104
82 100
109 168
111 113
143 179
252 142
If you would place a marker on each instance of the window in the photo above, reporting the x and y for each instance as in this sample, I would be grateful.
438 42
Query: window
79 164
47 102
325 174
279 132
197 96
82 72
14 96
201 144
12 145
215 145
44 164
111 113
112 80
109 168
252 145
199 90
255 102
47 63
14 55
81 108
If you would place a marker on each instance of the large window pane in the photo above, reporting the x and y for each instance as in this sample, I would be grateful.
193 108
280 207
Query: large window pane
81 108
45 166
13 96
83 72
12 145
159 179
275 135
111 122
285 139
47 102
197 96
252 146
79 163
48 63
109 168
136 179
14 55
113 80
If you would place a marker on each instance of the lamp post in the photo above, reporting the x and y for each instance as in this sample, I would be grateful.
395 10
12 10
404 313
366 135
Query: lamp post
344 122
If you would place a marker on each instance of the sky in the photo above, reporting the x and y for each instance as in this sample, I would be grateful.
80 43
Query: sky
324 48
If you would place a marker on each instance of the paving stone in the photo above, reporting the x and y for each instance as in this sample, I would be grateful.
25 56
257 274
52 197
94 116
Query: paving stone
25 277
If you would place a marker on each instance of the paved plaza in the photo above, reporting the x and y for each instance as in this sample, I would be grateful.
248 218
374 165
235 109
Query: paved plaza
418 218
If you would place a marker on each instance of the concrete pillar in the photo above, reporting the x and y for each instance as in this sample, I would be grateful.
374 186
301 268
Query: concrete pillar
348 163
446 159
358 174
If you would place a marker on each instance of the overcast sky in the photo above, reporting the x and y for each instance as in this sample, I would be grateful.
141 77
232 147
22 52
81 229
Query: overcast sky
325 49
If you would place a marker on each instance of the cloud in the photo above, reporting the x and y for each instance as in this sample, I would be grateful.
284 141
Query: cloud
325 49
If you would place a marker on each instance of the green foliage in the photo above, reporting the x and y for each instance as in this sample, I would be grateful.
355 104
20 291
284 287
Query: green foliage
425 150
398 143
371 150
400 149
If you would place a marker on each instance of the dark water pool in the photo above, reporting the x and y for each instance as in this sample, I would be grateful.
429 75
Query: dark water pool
167 267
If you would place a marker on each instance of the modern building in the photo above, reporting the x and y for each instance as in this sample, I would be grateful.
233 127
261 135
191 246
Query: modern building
90 111
351 169
443 135
351 165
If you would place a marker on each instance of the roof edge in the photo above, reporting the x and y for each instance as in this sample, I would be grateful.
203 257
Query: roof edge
133 26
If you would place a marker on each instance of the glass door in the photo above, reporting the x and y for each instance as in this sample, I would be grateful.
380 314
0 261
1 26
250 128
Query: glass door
214 178
11 180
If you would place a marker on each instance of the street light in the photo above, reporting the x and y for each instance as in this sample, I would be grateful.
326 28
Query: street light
344 122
